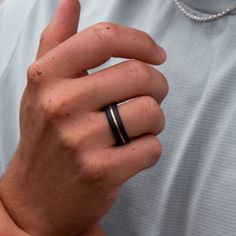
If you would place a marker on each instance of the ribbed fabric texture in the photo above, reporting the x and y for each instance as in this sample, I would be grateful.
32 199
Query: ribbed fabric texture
192 190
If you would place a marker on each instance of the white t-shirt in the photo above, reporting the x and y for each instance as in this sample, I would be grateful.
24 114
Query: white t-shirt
192 190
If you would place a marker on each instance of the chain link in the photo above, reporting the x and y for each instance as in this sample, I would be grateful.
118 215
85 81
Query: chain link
204 18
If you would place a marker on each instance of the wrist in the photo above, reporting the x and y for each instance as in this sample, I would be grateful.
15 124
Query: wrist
7 224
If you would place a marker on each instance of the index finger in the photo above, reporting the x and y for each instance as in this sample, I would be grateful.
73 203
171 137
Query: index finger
96 45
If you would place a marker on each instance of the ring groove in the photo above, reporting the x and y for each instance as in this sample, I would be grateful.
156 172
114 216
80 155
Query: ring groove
113 126
120 123
116 125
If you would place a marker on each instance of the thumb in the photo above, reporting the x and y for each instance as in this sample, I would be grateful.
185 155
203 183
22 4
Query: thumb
63 25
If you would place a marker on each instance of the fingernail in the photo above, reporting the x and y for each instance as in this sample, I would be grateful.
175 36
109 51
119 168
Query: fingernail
162 55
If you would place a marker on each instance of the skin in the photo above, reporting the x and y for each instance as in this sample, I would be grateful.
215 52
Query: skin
66 172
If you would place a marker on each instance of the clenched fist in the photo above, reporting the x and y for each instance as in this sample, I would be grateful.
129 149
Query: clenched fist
67 171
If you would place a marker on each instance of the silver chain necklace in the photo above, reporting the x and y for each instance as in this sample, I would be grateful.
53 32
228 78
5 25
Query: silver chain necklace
204 18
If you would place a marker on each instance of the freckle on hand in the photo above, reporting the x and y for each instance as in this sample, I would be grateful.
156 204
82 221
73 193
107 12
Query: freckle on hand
39 73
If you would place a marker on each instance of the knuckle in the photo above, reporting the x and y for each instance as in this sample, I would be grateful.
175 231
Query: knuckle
53 110
155 115
80 90
49 112
80 93
151 108
155 149
90 117
43 36
166 87
93 88
106 32
33 73
47 39
147 39
92 173
138 71
46 36
161 122
70 141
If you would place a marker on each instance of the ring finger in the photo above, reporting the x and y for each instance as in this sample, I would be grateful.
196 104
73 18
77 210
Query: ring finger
142 115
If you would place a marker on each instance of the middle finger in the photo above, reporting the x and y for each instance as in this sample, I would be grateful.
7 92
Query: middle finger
119 83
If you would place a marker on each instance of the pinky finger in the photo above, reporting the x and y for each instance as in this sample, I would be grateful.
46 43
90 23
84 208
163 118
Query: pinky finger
130 159
95 230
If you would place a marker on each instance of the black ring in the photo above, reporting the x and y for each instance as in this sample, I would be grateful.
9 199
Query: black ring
120 123
113 126
116 125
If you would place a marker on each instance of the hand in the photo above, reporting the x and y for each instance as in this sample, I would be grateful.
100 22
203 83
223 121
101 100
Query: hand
95 230
66 171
